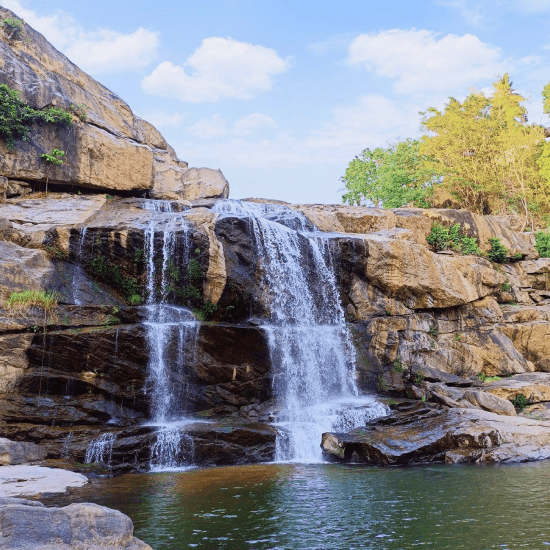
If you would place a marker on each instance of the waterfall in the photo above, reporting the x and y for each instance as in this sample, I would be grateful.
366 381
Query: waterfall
312 355
101 449
168 327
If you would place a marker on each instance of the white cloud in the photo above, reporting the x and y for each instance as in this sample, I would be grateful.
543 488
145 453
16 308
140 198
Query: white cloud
420 61
97 52
209 127
533 6
371 121
161 119
219 68
252 123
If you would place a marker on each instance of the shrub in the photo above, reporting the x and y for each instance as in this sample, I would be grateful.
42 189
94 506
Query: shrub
194 270
498 252
520 401
542 243
16 117
398 366
13 23
444 238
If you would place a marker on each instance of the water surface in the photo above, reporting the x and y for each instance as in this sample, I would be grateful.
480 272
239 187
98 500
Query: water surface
334 507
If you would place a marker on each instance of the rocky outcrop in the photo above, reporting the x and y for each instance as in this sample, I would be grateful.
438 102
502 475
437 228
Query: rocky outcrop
14 452
37 481
106 147
423 433
26 525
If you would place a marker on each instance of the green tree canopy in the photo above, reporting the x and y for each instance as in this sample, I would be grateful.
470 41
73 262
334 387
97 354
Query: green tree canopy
392 177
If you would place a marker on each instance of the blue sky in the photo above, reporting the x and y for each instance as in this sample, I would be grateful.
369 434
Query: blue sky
281 95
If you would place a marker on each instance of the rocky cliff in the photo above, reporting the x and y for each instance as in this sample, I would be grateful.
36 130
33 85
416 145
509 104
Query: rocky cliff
92 379
106 147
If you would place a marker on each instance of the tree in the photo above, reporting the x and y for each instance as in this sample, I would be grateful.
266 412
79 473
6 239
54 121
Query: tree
391 177
487 151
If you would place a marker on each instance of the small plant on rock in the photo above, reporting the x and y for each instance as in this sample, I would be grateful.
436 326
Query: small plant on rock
498 252
398 366
419 377
542 243
432 331
52 159
520 402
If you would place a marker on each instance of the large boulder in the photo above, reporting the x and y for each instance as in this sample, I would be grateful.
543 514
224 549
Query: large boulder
32 526
108 149
18 452
435 434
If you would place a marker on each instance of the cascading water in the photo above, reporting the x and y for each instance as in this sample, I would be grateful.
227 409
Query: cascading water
101 449
311 350
168 327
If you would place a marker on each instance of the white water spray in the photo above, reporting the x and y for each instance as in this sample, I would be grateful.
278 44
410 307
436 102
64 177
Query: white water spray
313 358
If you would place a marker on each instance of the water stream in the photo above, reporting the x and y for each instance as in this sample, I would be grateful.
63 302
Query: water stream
168 328
312 355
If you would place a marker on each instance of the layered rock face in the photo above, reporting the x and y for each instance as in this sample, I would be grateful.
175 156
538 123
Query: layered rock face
107 147
424 324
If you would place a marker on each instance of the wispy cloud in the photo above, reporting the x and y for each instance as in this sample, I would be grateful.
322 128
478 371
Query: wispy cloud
97 52
219 68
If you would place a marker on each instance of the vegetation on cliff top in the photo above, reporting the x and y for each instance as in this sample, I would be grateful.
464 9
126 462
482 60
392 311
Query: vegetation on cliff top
482 151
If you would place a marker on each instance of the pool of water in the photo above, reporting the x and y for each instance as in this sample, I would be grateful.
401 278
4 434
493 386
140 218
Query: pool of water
333 507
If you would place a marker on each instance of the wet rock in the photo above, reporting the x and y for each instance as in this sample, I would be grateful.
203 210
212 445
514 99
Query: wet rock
431 434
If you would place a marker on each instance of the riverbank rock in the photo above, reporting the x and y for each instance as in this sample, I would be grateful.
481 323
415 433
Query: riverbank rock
15 452
431 433
27 525
36 480
106 147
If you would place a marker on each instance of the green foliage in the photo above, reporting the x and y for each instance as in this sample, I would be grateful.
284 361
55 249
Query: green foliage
13 23
109 272
197 251
79 111
139 255
194 270
458 337
398 366
56 253
189 292
109 197
432 331
202 313
487 152
391 177
51 158
520 402
419 377
505 287
16 117
486 379
135 300
445 238
542 242
381 384
498 252
45 300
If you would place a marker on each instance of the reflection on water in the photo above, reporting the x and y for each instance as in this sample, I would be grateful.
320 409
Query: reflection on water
333 507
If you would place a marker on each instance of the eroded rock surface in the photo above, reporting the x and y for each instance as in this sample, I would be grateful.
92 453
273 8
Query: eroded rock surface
107 147
27 525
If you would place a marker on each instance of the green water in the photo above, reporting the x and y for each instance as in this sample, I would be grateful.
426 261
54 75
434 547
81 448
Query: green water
334 507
